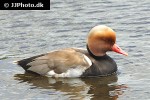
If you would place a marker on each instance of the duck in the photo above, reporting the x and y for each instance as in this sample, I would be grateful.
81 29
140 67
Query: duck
78 62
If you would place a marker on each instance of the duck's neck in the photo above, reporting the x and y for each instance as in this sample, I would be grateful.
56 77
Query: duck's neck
91 54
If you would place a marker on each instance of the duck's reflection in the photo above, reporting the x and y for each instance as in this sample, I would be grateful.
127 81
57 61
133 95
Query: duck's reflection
97 88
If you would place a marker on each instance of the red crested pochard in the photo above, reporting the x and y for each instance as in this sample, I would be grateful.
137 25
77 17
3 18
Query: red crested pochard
76 62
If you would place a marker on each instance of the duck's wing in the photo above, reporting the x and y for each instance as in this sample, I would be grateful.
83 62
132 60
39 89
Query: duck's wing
57 62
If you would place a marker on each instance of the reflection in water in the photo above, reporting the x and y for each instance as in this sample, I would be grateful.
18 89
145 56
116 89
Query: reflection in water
101 88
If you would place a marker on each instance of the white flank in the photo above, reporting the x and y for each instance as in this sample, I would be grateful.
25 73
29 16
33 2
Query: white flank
51 73
88 60
72 72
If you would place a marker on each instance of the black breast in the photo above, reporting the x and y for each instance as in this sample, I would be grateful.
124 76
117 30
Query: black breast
101 66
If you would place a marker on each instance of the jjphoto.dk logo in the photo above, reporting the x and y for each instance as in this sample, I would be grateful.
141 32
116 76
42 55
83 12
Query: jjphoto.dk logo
25 5
39 4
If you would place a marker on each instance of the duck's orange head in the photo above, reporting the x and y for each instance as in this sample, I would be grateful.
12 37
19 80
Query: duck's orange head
102 39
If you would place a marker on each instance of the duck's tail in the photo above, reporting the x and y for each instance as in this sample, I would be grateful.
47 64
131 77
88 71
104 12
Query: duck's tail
24 63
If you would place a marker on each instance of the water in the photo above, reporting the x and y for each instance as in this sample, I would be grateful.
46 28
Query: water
27 33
